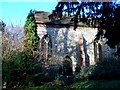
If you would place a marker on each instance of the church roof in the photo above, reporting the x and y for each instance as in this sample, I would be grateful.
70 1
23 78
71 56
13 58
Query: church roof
42 17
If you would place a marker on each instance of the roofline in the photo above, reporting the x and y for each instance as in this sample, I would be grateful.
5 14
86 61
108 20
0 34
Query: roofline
62 25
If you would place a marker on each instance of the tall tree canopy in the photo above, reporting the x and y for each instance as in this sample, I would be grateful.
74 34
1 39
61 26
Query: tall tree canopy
104 15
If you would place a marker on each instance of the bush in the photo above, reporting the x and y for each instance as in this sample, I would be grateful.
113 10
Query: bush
62 80
18 71
107 69
58 81
85 72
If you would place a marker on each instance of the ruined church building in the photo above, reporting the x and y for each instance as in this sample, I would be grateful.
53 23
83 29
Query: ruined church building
58 38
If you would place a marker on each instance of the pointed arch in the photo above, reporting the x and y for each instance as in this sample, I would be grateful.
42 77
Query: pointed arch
98 50
45 46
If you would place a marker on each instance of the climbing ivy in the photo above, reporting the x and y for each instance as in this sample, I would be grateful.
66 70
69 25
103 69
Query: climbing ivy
31 37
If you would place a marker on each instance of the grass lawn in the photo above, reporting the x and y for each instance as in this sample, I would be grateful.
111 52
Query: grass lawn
46 87
97 84
83 84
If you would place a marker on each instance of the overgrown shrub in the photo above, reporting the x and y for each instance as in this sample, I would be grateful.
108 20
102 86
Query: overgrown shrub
107 69
18 71
85 72
22 71
63 80
58 81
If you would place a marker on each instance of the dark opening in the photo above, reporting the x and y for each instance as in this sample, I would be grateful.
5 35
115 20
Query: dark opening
67 66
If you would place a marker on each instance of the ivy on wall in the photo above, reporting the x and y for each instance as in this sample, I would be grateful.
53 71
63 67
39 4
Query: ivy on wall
31 37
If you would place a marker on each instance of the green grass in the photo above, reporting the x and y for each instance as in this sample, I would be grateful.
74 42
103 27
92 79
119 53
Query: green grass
88 84
83 84
45 87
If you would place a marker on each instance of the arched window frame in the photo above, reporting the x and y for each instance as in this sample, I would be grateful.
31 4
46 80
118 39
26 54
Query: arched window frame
97 51
45 47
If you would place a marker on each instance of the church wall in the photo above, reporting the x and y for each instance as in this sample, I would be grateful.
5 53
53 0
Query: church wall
89 36
66 41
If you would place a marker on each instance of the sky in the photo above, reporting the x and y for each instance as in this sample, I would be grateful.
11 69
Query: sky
15 12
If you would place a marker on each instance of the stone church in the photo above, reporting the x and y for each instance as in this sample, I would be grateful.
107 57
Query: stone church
58 38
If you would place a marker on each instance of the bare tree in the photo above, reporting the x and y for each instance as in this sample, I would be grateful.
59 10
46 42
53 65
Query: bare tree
12 40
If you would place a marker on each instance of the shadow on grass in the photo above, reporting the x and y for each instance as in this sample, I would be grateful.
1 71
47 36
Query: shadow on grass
89 84
81 85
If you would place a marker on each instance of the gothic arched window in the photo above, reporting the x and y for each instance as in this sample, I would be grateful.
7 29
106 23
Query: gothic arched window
97 51
46 47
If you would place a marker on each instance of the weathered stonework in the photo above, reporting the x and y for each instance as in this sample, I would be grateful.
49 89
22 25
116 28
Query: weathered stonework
80 44
76 44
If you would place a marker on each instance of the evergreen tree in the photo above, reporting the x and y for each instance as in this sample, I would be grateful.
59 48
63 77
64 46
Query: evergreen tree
31 38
